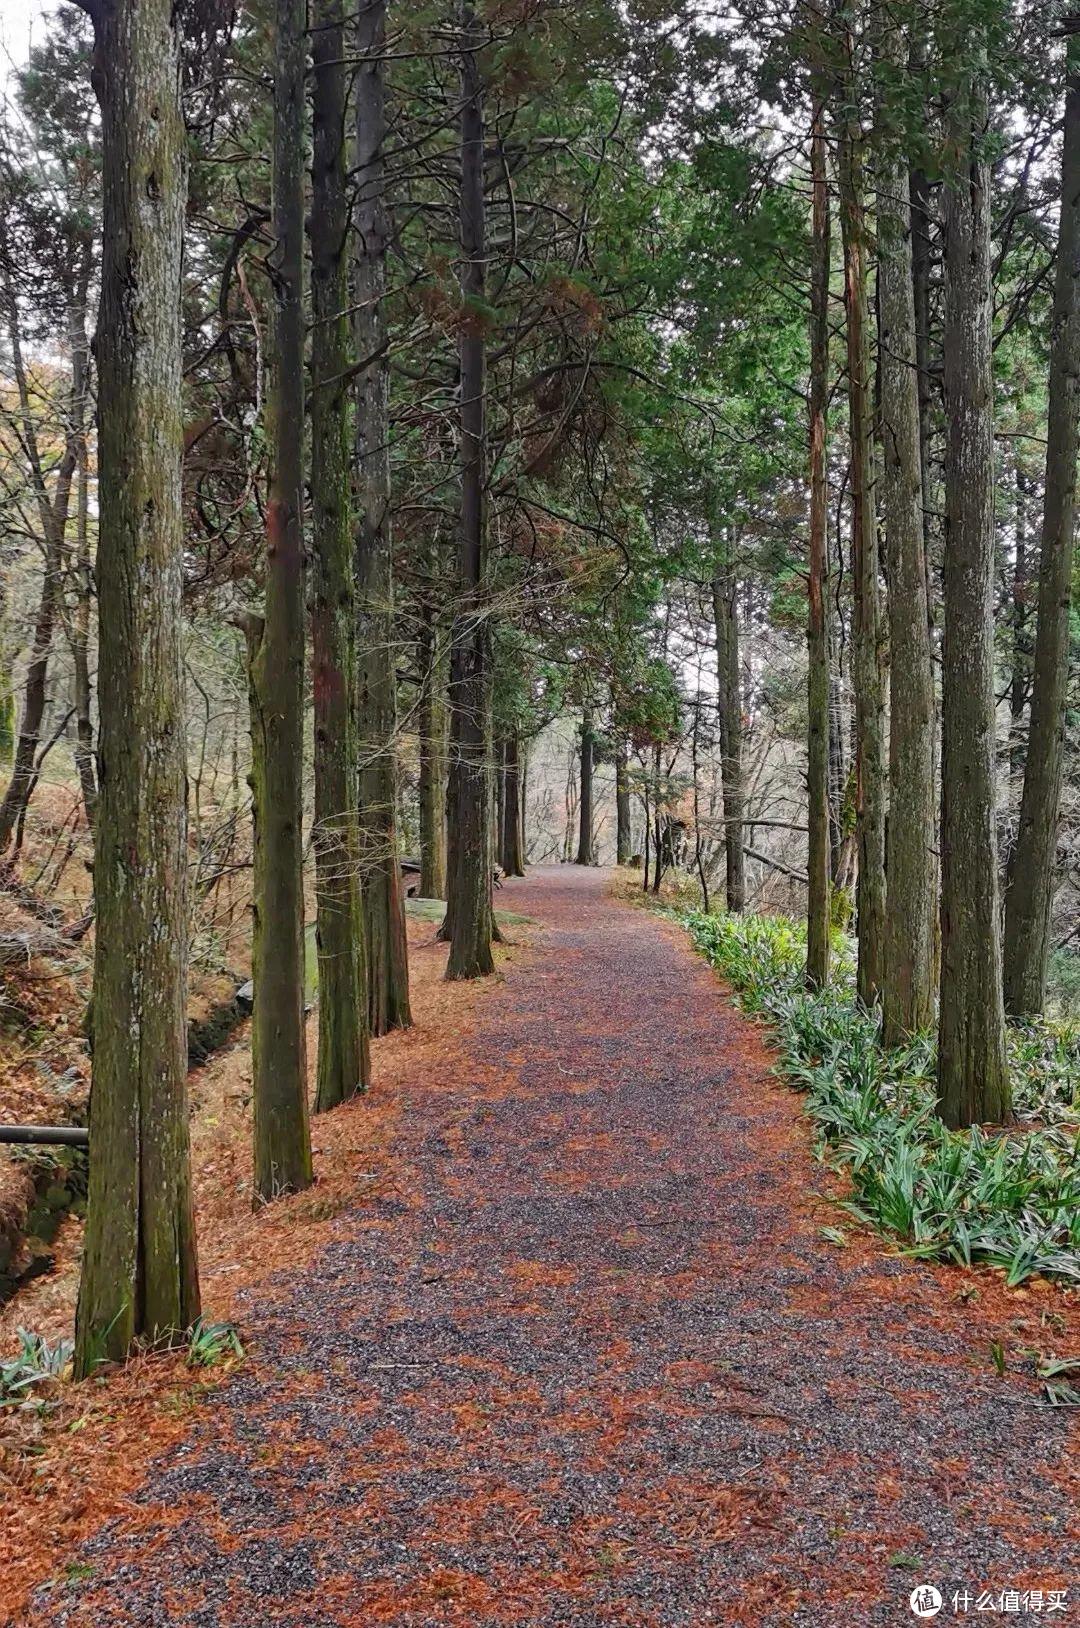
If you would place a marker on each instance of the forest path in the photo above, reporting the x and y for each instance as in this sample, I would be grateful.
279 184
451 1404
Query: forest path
596 1364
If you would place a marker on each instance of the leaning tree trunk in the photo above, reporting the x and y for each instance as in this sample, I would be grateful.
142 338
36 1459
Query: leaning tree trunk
908 988
80 647
817 756
729 705
585 807
432 722
622 808
1031 874
343 1063
469 905
53 518
84 581
511 844
383 897
867 674
972 1079
139 1270
276 673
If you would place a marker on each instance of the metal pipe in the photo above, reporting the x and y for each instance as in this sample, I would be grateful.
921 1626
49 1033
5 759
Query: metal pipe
70 1136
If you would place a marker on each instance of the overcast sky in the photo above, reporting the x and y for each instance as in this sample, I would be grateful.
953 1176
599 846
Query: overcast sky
17 19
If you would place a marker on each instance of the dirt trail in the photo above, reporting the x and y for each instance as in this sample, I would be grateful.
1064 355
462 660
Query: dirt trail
595 1364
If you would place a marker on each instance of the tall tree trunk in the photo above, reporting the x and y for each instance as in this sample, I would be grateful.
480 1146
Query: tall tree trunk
622 807
512 845
276 672
837 767
585 807
343 1062
432 723
469 904
725 590
658 829
7 695
139 1269
818 920
908 988
1031 874
1020 662
972 1078
383 897
80 642
867 675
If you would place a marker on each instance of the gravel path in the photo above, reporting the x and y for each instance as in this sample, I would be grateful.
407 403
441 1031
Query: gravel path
597 1365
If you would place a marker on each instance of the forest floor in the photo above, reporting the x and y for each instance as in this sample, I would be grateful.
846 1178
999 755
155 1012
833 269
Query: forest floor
557 1340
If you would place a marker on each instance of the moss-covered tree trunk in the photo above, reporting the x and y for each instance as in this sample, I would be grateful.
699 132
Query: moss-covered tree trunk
139 1271
818 919
725 590
383 896
469 913
343 1062
276 672
80 645
622 807
584 854
972 1078
79 626
908 988
434 655
867 673
1032 873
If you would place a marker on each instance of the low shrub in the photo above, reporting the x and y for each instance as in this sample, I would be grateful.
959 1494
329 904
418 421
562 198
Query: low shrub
1010 1198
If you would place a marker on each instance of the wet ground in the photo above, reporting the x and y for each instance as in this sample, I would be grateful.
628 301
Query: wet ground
593 1362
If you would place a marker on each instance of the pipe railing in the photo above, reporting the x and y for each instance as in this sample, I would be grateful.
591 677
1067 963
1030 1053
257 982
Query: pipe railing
68 1136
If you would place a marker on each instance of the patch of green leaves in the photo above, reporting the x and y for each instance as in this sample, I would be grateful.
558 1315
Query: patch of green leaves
211 1343
34 1363
1012 1201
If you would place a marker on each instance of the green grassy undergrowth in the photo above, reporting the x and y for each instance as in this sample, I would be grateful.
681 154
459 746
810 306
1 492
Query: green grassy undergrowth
1011 1200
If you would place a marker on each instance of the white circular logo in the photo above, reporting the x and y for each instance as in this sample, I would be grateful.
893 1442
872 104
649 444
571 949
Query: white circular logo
925 1601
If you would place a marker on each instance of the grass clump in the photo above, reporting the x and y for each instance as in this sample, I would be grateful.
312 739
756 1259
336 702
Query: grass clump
1010 1199
35 1363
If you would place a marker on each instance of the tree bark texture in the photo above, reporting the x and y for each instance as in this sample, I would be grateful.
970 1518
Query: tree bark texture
725 589
908 987
867 674
139 1270
276 671
972 1078
622 808
383 898
469 905
585 806
343 1061
433 721
818 918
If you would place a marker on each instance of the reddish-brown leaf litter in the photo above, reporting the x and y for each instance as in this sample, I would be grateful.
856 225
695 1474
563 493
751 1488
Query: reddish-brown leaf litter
587 1359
